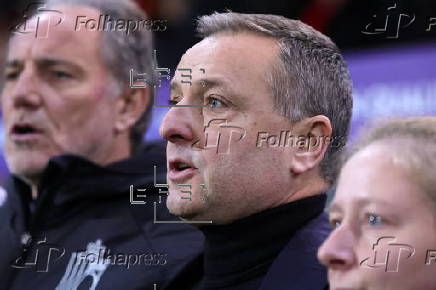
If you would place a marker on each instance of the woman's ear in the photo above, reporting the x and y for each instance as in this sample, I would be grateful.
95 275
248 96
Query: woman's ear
315 134
129 108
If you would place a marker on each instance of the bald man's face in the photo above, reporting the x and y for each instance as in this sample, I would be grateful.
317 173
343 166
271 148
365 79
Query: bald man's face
55 99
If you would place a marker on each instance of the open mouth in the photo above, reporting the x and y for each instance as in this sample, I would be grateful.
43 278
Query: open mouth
180 170
24 131
180 166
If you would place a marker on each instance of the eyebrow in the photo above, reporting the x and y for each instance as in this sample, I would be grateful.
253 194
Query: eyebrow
362 202
209 83
206 83
44 62
53 62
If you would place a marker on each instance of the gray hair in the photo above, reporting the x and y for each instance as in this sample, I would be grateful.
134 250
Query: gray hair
122 52
311 77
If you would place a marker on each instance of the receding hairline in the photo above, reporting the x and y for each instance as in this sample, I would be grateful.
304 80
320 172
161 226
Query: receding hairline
275 45
234 33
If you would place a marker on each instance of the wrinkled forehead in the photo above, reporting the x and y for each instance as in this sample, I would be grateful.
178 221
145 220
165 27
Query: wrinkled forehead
53 31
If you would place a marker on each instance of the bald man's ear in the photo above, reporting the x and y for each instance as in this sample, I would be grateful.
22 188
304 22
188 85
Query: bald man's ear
315 137
129 108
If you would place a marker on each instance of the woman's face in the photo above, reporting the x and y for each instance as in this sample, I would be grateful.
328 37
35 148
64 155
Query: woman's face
384 233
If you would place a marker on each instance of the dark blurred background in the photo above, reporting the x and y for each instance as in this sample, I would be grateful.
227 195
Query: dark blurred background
389 46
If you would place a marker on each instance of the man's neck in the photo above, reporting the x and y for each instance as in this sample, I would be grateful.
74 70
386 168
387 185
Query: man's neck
307 186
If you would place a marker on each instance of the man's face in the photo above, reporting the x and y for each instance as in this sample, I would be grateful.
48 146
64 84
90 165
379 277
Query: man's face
55 99
384 227
235 178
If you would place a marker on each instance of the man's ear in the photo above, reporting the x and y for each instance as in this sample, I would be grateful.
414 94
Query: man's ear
129 108
315 134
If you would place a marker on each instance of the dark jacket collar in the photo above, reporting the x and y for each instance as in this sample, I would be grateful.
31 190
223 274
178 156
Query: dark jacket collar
246 248
71 180
297 266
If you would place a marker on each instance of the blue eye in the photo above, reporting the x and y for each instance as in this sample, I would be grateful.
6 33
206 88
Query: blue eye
374 220
215 103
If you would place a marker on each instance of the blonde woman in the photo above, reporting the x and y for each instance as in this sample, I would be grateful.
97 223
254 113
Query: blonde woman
384 209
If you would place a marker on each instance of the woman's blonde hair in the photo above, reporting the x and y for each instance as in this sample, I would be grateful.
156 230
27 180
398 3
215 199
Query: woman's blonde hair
413 142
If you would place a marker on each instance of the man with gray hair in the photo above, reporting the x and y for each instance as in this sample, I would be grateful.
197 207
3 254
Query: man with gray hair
257 136
73 132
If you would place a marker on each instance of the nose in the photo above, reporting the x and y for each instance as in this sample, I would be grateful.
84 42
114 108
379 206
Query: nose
180 124
25 92
337 251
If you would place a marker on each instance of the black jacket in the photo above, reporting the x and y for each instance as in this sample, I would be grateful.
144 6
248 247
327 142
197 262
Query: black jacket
82 232
272 250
